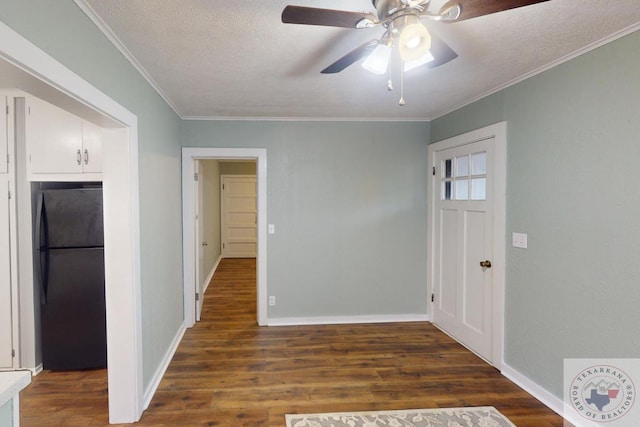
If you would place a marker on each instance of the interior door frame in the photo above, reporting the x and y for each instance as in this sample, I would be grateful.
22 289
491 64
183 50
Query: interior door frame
198 228
189 156
43 76
497 131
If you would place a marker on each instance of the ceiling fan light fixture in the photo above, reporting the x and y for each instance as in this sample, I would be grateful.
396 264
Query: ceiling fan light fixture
378 60
426 58
414 42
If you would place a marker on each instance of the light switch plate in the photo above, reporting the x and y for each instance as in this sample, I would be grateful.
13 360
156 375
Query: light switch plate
519 240
272 229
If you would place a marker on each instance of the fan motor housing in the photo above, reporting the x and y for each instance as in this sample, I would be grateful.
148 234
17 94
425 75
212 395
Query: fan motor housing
387 8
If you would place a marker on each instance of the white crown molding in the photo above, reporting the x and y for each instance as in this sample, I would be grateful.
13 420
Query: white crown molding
307 119
610 38
106 30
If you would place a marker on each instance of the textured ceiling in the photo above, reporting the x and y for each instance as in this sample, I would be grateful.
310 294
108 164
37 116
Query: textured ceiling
235 59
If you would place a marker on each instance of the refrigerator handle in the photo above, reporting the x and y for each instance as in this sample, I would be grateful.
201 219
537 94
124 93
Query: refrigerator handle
38 248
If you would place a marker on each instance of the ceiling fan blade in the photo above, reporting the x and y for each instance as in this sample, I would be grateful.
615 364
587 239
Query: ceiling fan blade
474 8
441 52
326 17
351 57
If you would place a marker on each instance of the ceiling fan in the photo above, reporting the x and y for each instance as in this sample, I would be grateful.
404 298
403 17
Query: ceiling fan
406 40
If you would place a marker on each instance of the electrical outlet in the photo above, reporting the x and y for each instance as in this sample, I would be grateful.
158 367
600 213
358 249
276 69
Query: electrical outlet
272 300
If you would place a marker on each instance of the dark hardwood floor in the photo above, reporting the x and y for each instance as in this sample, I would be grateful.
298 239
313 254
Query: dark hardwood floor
230 372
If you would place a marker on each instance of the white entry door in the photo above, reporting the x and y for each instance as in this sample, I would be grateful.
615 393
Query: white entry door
6 343
239 216
467 251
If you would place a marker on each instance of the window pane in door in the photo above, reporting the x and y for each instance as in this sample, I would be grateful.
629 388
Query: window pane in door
479 189
446 190
462 189
447 168
462 166
479 164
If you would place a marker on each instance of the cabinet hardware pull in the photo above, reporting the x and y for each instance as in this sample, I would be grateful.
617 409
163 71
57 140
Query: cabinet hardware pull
86 156
79 157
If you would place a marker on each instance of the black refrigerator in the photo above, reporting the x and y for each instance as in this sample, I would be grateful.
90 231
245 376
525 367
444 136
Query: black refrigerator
69 264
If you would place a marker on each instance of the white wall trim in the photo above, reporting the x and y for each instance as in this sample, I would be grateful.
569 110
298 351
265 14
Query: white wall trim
499 132
306 119
346 320
547 398
121 194
108 32
189 155
586 49
37 369
164 365
210 275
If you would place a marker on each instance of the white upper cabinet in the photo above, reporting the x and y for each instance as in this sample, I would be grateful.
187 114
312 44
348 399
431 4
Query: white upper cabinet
59 142
91 147
4 140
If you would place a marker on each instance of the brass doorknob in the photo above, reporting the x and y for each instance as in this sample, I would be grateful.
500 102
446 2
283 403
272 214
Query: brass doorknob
485 264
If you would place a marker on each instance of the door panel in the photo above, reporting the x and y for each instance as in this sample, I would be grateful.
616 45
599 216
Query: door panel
74 312
473 298
463 239
449 265
238 216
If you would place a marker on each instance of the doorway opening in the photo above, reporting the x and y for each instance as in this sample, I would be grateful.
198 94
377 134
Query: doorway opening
25 67
191 158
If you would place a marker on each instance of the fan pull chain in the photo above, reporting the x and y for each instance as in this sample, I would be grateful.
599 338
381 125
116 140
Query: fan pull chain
401 102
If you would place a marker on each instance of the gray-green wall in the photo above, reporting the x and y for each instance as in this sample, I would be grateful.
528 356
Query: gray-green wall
348 201
62 30
573 174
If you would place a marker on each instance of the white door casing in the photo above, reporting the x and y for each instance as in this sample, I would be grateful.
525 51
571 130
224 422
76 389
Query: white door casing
6 317
4 136
467 299
238 216
199 232
41 75
189 154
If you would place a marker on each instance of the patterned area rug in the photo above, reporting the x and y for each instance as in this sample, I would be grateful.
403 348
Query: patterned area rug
486 416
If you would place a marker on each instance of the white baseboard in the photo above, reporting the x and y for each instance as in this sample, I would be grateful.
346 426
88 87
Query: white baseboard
337 320
157 377
36 370
210 275
547 398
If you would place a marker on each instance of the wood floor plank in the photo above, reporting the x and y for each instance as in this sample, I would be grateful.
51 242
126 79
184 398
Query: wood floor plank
228 371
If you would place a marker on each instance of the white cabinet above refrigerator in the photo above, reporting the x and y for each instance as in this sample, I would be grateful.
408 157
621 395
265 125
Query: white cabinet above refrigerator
60 145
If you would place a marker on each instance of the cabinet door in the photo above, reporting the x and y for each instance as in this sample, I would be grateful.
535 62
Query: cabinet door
91 147
54 139
6 359
4 140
